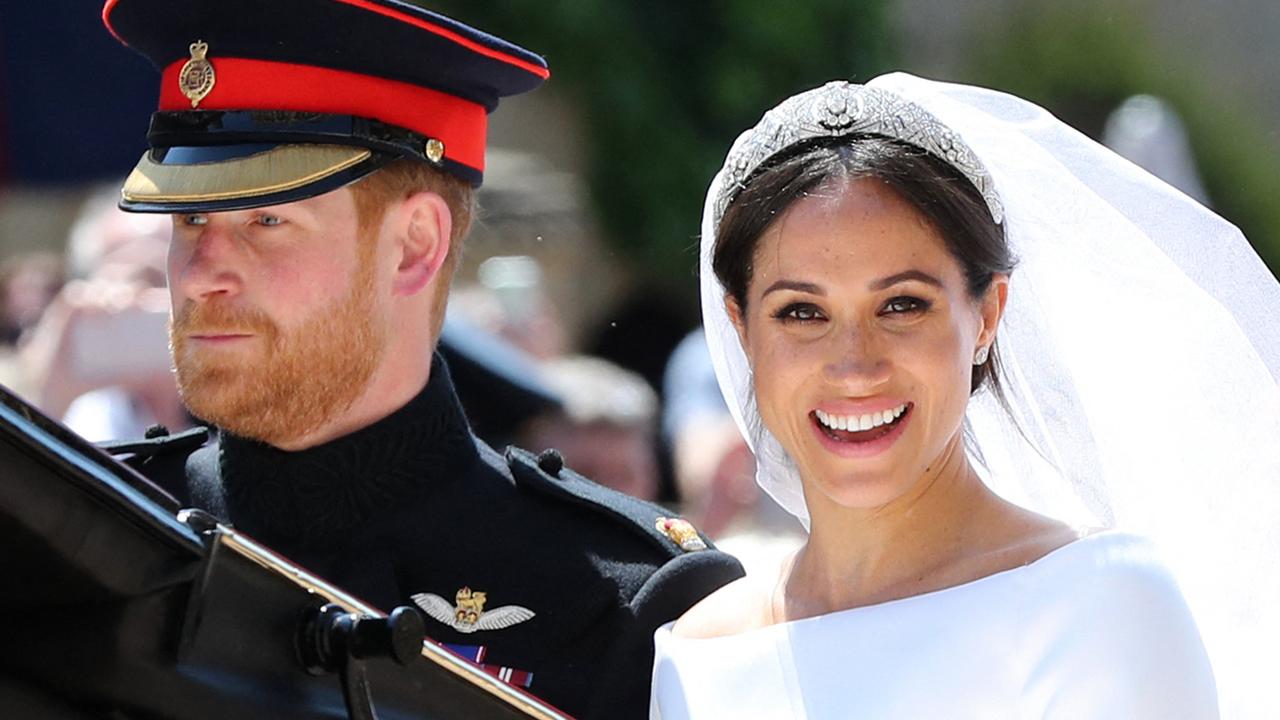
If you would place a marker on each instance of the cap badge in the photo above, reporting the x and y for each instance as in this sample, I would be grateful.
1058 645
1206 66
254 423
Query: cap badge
434 150
681 533
468 615
196 78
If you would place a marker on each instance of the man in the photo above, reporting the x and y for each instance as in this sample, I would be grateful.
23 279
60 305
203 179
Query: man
319 160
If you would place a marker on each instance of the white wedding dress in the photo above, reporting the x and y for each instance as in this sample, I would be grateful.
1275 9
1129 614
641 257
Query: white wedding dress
1095 629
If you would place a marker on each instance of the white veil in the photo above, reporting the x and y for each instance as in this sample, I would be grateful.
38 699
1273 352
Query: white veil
1141 354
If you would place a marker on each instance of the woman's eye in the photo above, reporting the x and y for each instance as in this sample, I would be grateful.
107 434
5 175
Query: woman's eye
904 305
799 312
270 220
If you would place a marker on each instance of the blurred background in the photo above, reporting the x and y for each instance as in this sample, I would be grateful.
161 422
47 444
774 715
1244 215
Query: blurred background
586 248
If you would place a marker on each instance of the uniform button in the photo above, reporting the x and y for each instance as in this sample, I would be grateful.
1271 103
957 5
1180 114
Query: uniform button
550 461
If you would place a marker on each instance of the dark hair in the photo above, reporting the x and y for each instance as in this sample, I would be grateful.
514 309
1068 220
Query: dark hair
938 191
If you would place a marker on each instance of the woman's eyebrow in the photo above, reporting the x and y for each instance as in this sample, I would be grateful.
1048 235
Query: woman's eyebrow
793 285
892 280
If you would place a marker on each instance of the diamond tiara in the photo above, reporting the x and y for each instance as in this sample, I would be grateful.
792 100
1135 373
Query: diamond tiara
842 108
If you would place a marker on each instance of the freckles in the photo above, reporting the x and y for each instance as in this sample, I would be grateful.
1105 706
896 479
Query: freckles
774 359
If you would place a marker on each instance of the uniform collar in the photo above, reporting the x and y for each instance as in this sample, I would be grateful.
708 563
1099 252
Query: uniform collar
312 497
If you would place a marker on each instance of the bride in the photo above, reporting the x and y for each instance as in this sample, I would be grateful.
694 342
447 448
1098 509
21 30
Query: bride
1022 396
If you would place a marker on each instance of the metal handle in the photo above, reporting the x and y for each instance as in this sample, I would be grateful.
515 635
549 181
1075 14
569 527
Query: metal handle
334 640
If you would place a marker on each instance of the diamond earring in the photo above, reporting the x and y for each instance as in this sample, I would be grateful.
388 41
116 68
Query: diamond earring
980 356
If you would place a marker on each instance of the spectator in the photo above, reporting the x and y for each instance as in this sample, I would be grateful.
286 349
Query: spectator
605 429
98 358
714 468
28 283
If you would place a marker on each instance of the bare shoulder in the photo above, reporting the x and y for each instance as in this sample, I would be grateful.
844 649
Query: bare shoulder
1010 537
1026 536
740 606
1043 534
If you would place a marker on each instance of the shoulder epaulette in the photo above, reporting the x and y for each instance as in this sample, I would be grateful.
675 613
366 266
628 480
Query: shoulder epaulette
546 473
159 442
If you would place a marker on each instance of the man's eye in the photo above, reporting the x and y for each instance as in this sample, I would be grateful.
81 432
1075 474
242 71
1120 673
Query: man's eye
270 220
195 219
903 305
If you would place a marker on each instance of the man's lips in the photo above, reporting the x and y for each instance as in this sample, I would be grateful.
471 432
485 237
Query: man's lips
219 337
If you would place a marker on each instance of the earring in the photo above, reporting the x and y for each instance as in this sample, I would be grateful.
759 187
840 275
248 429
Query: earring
980 356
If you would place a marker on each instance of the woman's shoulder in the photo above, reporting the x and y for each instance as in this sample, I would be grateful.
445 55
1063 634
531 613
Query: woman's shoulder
1049 554
1104 625
1104 561
1105 573
737 607
1108 594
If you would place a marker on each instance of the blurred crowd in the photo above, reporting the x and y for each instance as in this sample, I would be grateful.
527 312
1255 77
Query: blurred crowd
85 335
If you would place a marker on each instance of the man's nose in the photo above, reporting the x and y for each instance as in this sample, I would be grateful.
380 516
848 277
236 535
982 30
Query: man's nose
207 268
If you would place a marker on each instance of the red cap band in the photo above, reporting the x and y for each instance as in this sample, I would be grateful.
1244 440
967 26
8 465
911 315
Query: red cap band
244 84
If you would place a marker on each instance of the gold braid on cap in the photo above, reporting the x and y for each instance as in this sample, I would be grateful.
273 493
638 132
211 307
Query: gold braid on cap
842 108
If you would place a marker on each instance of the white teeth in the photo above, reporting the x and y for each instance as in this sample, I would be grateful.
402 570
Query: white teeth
860 422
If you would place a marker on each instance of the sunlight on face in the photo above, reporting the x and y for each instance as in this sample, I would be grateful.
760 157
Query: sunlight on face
860 333
276 328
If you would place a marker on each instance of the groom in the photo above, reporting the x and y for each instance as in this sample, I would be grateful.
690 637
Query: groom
319 159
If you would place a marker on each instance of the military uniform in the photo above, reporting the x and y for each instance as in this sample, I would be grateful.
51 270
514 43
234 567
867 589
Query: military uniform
550 581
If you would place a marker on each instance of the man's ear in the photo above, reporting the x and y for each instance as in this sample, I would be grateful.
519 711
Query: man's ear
421 231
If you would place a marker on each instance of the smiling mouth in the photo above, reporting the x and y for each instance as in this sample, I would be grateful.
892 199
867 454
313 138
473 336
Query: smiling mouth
861 428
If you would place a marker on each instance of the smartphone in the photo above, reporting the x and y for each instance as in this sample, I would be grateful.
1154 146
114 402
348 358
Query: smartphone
124 344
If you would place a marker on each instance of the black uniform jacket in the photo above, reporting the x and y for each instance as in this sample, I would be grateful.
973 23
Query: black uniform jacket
550 573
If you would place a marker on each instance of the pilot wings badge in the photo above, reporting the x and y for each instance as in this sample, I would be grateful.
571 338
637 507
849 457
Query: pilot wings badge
468 615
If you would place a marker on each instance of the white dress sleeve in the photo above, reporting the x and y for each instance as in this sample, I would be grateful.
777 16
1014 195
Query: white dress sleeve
1095 630
1110 636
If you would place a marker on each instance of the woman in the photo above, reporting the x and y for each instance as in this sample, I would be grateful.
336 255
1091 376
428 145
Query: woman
859 285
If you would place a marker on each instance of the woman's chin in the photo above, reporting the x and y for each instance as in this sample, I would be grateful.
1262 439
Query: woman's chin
857 470
863 491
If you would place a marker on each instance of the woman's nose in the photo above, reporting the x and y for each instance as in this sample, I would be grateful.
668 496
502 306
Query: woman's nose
855 357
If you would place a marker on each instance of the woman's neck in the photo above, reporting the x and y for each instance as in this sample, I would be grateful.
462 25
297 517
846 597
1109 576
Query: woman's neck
862 556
